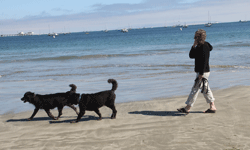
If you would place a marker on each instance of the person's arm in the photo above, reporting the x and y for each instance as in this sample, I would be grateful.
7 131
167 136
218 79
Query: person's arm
205 57
210 46
192 52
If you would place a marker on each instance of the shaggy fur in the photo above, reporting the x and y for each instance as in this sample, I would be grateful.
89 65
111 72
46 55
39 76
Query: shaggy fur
92 102
50 101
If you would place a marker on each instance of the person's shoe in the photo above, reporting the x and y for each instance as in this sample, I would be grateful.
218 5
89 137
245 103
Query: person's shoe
210 111
183 110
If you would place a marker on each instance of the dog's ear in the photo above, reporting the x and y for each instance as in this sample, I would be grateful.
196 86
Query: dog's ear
77 95
31 95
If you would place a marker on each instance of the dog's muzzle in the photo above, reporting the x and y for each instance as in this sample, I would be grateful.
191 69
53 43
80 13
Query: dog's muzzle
23 100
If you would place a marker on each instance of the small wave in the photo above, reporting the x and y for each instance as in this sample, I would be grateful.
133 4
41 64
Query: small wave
35 80
55 75
136 65
242 67
42 80
16 72
13 73
55 58
238 45
72 57
94 56
229 66
62 58
235 44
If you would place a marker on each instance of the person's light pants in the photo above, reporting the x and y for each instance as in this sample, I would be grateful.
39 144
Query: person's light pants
196 89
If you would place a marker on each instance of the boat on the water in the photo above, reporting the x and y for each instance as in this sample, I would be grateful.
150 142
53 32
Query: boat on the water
209 24
124 30
242 21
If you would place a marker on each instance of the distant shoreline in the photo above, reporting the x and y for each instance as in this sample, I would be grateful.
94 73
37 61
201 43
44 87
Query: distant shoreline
135 28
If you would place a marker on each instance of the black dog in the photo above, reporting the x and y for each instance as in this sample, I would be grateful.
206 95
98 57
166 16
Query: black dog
51 101
93 102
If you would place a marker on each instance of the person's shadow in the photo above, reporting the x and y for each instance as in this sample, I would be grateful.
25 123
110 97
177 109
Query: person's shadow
162 113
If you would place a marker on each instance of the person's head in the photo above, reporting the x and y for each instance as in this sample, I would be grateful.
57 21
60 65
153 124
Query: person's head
200 36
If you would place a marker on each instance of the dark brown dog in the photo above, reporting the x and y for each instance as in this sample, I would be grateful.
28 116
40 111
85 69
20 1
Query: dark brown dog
93 102
50 101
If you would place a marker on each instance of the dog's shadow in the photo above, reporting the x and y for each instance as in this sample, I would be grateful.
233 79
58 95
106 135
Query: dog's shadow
84 118
34 119
162 113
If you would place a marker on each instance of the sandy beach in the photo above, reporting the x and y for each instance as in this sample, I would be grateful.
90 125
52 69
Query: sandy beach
139 125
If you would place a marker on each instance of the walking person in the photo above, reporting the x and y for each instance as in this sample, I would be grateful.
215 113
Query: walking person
200 51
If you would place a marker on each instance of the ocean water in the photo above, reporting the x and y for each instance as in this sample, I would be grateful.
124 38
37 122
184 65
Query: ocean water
147 63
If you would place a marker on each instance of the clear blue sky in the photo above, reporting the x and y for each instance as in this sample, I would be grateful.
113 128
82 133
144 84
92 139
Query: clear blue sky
82 15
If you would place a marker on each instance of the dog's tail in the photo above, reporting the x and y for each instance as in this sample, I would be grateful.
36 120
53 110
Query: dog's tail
73 88
115 84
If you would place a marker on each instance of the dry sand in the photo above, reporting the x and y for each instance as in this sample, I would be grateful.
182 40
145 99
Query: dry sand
139 125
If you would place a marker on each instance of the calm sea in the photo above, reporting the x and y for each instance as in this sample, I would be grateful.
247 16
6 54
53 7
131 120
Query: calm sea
147 63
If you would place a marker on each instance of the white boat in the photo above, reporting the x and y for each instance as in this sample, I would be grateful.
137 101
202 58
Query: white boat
124 30
53 34
209 24
177 25
21 34
184 26
243 21
66 33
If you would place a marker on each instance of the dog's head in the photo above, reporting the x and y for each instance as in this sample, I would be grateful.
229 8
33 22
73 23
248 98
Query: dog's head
74 98
28 96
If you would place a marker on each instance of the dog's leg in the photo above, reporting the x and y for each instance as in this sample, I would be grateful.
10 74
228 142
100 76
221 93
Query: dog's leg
34 113
82 112
114 111
74 108
50 114
99 114
59 112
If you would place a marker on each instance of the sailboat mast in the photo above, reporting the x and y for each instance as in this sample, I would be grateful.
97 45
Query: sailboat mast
208 16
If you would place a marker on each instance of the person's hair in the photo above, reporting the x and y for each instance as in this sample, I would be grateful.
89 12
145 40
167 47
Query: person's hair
201 36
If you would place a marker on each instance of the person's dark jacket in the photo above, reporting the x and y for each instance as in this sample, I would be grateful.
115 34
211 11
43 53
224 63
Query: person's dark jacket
201 55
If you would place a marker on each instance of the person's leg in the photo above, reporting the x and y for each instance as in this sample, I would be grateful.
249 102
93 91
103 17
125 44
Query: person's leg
209 95
193 95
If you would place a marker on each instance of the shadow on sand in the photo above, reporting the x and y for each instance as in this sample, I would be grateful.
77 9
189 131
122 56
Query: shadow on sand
84 118
162 113
34 119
